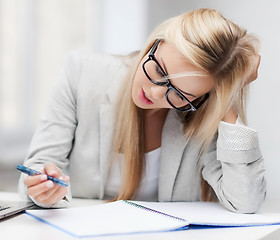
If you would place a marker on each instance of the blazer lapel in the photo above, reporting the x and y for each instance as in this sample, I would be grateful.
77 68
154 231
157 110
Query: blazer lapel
173 145
106 141
107 125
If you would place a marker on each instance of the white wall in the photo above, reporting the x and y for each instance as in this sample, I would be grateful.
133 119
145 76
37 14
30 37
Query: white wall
124 24
263 19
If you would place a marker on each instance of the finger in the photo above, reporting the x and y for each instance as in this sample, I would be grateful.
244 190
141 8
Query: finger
255 65
257 61
52 170
30 181
66 178
47 194
40 188
57 196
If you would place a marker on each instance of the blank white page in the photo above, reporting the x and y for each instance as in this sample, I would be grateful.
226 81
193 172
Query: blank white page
211 213
107 219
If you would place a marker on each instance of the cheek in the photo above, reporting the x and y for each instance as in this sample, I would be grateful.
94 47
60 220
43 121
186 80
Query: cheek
136 85
140 79
137 76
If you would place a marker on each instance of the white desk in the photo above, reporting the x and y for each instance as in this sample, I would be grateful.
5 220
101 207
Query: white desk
24 227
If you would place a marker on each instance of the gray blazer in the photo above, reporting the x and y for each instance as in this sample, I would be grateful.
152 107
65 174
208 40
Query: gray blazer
76 134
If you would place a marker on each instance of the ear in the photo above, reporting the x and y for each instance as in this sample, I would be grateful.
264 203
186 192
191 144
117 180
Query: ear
255 65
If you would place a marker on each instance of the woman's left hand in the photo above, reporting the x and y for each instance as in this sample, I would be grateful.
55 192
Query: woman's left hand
231 115
256 63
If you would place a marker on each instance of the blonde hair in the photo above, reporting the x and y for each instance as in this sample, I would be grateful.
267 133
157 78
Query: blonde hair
215 45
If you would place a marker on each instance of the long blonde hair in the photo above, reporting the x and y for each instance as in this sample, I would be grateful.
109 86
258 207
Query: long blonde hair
218 47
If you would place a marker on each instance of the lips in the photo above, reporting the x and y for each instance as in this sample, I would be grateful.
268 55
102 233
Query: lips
144 98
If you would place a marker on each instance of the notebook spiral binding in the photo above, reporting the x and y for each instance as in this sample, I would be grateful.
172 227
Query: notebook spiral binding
152 210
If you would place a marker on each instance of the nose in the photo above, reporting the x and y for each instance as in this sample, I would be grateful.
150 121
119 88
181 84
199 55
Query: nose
158 92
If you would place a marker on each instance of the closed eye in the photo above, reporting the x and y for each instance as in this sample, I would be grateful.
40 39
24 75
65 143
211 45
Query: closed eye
159 71
180 97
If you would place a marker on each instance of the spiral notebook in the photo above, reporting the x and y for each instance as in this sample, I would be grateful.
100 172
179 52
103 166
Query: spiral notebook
133 217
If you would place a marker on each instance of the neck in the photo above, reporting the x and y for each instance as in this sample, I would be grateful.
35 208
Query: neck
153 122
151 113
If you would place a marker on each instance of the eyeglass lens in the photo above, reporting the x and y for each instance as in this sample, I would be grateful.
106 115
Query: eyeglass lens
158 77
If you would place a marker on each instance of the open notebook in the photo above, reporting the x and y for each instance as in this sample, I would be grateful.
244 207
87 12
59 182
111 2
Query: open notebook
130 217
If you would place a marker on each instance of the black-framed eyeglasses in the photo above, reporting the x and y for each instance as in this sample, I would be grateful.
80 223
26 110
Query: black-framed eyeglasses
157 76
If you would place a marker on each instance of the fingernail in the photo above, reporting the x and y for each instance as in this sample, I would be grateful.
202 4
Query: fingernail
52 172
43 177
49 184
66 178
61 178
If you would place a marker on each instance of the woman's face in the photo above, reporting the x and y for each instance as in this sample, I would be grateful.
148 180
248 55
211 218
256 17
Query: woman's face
147 95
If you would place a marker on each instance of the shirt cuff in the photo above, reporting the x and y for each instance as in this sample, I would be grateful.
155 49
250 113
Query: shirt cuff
237 137
237 143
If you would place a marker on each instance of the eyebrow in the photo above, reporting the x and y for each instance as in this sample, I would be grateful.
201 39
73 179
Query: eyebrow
164 67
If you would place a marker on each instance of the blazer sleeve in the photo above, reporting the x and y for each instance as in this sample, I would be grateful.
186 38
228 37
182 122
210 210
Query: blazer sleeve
234 168
52 141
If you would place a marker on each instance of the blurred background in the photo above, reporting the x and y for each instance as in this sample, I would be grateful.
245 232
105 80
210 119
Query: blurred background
37 35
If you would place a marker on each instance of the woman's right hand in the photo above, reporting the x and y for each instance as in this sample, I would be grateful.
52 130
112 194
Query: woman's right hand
43 190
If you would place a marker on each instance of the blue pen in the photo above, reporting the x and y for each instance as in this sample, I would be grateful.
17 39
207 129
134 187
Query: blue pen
33 172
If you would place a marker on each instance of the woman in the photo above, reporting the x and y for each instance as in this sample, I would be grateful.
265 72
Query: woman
165 124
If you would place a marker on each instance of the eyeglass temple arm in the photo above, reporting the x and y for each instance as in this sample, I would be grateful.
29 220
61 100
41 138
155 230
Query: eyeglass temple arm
203 101
154 48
